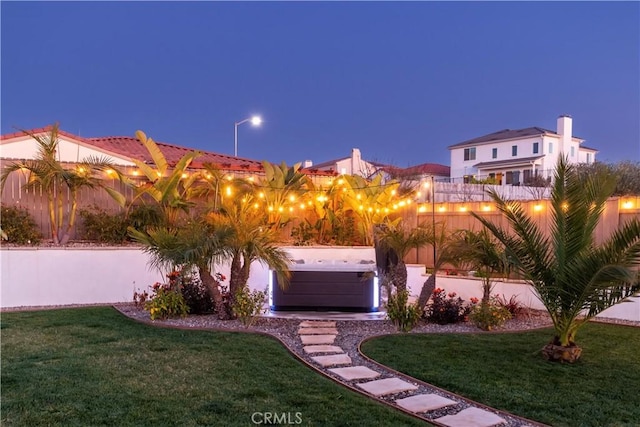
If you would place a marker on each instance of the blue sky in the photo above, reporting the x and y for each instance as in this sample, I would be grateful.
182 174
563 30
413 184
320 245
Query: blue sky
400 81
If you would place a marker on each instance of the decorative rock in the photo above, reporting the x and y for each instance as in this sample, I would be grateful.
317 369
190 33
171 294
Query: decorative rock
317 331
471 417
318 324
335 359
355 373
322 349
424 402
317 339
387 386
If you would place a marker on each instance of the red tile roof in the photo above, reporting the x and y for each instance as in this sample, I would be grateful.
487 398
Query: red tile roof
435 169
130 147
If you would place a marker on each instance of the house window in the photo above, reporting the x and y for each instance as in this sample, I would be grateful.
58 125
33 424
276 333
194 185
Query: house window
550 147
535 148
509 177
470 153
514 150
494 153
573 151
588 157
513 177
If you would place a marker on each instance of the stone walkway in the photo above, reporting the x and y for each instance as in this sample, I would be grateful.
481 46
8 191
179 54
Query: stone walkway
409 394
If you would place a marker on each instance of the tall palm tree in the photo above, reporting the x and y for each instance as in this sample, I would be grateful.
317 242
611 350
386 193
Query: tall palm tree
46 172
574 277
194 245
249 238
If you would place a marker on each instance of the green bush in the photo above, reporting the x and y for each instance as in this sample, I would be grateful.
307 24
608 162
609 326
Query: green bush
19 226
248 305
166 302
404 316
142 216
101 226
445 309
489 315
196 295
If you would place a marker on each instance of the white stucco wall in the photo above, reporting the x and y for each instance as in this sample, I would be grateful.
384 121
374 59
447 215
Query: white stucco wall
68 150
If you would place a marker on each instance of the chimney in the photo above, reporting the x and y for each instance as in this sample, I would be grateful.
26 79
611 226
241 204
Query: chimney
307 164
565 130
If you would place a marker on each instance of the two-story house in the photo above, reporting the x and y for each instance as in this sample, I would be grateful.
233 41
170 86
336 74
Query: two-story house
515 157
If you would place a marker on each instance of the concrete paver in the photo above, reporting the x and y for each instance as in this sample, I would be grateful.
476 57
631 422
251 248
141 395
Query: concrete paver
387 386
355 373
317 324
317 331
317 339
322 349
471 417
424 402
332 360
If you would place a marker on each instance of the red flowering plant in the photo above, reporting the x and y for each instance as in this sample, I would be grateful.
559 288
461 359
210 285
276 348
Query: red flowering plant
166 299
446 308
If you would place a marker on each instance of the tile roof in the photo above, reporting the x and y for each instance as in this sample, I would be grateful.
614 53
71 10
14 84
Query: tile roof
422 169
507 134
130 147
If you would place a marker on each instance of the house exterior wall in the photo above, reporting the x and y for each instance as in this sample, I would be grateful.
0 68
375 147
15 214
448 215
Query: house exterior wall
68 150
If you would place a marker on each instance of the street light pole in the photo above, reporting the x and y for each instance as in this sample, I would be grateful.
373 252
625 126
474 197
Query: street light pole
433 220
255 121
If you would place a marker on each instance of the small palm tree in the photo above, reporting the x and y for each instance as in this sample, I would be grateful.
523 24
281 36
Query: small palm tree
249 238
574 277
480 251
46 172
400 241
193 245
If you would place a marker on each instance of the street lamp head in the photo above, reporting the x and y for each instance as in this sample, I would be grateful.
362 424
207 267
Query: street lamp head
256 120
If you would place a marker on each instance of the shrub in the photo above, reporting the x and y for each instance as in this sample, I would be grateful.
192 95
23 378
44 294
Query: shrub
166 302
248 305
140 298
196 295
143 216
19 226
514 307
404 316
101 226
303 234
445 309
489 315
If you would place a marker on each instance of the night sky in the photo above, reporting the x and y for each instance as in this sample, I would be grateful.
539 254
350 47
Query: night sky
399 81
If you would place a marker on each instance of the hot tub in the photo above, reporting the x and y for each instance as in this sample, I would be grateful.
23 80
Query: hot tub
328 278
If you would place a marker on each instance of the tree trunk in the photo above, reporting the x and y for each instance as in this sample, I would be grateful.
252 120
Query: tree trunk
427 289
239 276
213 287
398 273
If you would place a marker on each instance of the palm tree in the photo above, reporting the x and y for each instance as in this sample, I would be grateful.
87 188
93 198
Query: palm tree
400 240
575 278
249 238
480 251
167 186
282 184
193 245
443 240
47 173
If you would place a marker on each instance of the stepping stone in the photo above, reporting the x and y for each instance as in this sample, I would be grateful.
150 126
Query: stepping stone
323 349
424 402
318 324
317 339
471 417
335 359
317 331
355 373
387 386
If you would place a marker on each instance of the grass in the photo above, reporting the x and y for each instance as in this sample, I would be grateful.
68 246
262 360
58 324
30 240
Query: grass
506 371
93 366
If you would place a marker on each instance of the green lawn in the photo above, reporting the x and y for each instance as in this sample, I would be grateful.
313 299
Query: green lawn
93 366
506 371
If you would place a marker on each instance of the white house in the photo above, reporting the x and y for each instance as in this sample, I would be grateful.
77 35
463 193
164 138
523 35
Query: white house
515 157
352 165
